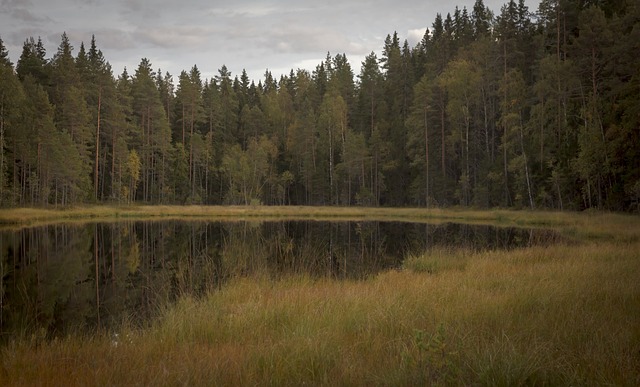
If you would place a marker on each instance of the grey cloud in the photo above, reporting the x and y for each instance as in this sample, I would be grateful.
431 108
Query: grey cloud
414 36
131 5
9 4
109 39
113 39
174 37
257 10
27 16
237 11
87 2
18 9
16 38
139 10
313 40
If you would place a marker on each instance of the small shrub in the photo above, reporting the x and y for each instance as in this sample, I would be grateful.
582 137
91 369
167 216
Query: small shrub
430 359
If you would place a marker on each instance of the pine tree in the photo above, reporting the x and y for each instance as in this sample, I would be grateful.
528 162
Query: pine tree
370 96
398 78
481 19
461 80
120 137
4 55
419 145
591 49
228 123
33 62
11 101
513 101
190 118
152 135
100 94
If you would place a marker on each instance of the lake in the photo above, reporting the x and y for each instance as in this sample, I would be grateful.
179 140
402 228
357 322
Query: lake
65 278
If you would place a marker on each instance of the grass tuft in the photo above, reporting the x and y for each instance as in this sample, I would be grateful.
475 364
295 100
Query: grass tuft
438 260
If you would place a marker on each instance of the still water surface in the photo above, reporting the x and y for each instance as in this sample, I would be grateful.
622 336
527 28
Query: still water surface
64 278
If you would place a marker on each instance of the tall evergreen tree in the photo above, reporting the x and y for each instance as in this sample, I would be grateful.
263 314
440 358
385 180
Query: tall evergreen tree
420 142
152 135
33 61
481 19
228 123
11 101
4 55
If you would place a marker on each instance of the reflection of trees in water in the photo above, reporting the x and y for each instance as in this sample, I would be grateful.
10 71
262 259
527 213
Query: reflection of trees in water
46 279
476 237
61 277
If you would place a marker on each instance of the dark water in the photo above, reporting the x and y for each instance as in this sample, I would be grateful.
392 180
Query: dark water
64 278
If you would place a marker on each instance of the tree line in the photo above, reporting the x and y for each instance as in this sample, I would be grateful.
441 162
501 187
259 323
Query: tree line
515 109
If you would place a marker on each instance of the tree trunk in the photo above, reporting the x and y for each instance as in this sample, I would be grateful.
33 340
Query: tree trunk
2 176
426 154
192 172
442 123
330 166
526 168
113 162
95 169
504 134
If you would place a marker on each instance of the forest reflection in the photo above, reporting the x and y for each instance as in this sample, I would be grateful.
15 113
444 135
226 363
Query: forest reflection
64 278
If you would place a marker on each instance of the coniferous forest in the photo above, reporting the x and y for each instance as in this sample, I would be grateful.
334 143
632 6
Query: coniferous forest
493 108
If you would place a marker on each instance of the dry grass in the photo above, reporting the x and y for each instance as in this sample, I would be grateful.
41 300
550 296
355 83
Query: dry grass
559 315
588 225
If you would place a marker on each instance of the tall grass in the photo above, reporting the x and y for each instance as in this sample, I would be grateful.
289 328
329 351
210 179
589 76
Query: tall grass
559 315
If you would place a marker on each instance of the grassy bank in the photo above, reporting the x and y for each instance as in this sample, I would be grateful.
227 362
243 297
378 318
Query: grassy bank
558 315
589 225
30 216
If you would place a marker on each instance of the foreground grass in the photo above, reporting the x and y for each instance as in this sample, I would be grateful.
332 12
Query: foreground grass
559 315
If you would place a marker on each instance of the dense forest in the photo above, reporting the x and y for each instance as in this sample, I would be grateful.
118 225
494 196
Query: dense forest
512 109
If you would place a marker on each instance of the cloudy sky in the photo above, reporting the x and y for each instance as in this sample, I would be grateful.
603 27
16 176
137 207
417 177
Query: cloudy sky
254 35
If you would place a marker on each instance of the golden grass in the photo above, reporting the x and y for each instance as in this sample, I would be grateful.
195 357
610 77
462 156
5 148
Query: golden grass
587 225
559 315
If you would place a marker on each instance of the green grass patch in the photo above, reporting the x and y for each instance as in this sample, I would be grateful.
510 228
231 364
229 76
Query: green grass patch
437 260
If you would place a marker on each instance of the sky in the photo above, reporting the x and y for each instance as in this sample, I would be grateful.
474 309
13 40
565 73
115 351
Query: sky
278 35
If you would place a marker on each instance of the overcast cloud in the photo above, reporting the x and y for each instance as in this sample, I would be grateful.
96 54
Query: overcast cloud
254 35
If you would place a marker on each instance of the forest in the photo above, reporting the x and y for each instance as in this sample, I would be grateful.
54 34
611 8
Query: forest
516 108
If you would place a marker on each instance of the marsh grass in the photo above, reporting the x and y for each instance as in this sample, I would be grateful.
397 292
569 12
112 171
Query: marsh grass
438 259
585 226
558 315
